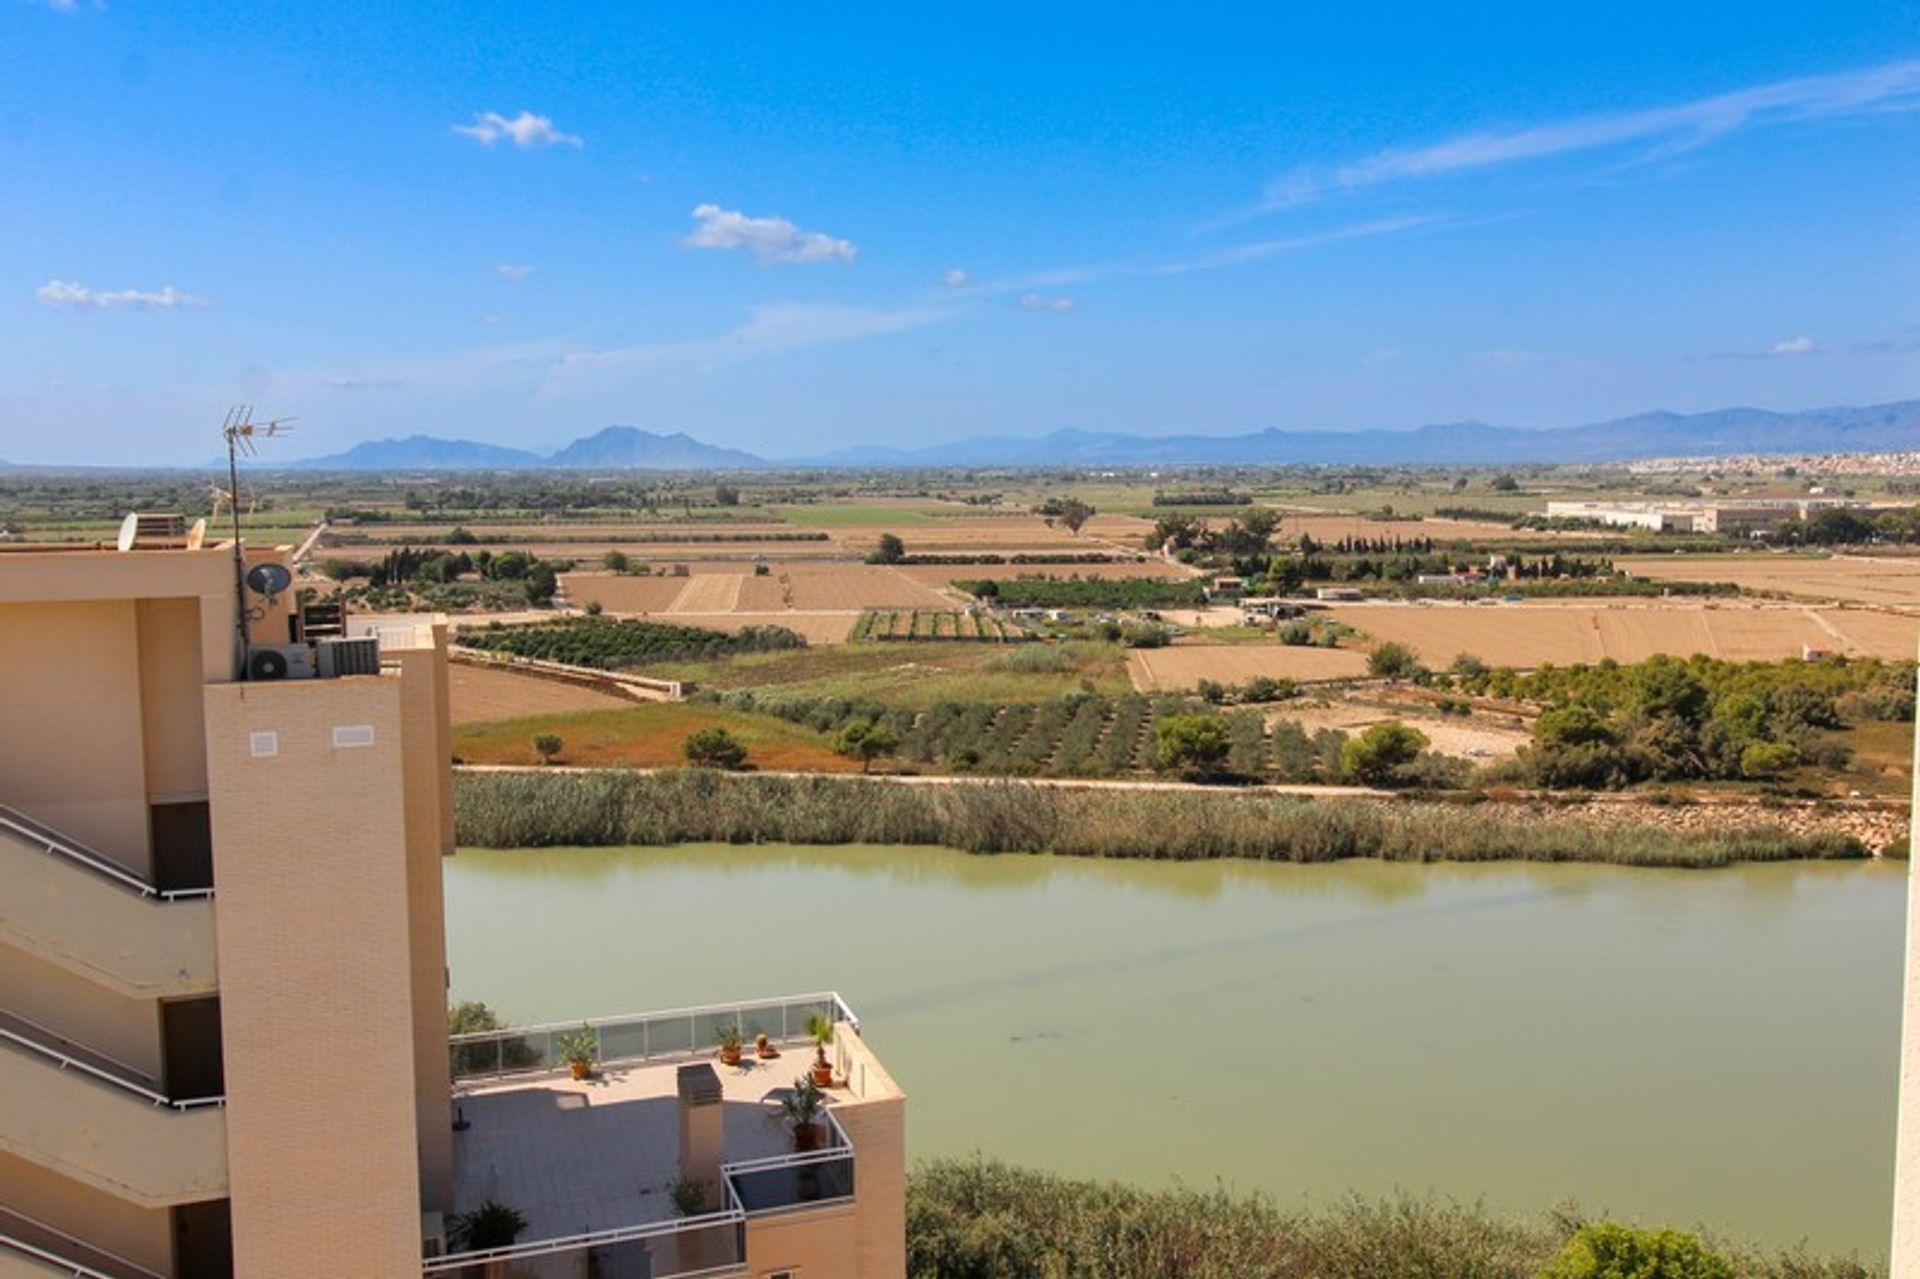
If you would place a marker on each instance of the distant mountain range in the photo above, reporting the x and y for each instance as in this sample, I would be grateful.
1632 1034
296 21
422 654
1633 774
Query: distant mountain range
610 449
1877 428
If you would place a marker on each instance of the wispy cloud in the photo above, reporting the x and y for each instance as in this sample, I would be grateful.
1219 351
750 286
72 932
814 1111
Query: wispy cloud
1660 130
956 278
770 329
1041 302
78 297
770 240
1795 346
71 6
1260 250
512 271
1799 347
523 130
357 384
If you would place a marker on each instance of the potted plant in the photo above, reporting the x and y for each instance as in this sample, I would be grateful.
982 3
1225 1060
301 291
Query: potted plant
763 1047
578 1050
820 1030
730 1041
802 1107
491 1225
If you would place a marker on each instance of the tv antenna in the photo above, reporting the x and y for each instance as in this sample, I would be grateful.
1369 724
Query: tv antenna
240 432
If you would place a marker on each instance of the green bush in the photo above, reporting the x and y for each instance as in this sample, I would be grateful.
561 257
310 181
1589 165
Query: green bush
610 644
1608 1250
714 748
1376 757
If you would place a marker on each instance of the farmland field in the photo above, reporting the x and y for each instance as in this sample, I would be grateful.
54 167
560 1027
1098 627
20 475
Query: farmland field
1181 667
481 693
1856 578
646 736
1528 635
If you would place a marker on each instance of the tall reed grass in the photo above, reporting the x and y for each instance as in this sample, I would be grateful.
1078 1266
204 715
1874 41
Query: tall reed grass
530 810
974 1219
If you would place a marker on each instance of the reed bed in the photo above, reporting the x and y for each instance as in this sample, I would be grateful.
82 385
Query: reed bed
975 1219
617 808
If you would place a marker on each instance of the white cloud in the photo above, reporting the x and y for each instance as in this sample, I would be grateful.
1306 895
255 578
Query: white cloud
513 271
1041 302
363 384
1663 130
956 278
71 6
1262 249
770 329
1503 357
78 297
1802 345
768 239
524 130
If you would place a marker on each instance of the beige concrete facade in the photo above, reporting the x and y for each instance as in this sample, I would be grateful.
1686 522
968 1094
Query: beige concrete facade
206 945
1906 1178
223 980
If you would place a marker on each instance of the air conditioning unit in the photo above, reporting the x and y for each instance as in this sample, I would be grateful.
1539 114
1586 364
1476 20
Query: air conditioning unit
280 661
337 657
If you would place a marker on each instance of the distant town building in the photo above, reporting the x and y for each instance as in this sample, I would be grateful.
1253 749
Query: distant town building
1686 515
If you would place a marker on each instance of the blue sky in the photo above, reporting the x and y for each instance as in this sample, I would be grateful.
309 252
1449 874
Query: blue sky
790 230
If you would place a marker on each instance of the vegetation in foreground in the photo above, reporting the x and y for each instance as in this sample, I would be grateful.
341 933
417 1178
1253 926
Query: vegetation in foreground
985 1220
616 808
608 644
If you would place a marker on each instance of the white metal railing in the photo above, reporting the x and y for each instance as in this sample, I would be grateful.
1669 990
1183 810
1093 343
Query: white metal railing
838 1150
67 1265
674 1032
53 1038
727 1218
55 844
68 1062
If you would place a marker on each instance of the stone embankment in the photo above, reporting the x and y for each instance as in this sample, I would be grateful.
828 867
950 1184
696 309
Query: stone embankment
1878 824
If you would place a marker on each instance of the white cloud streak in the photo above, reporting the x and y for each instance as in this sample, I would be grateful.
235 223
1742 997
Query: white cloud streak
956 278
770 329
1041 302
770 240
1802 345
1662 130
513 272
523 130
67 295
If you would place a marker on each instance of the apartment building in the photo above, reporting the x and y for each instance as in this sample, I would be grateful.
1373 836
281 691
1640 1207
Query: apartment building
223 981
1742 517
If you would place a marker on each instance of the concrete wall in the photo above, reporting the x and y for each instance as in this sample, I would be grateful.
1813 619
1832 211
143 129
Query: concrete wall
83 1012
1906 1180
141 1235
70 723
317 1010
173 733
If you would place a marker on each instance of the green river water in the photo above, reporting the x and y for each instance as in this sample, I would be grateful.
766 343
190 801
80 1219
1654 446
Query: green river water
1705 1047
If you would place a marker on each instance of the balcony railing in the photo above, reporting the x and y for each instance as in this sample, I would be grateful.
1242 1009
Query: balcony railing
794 1182
678 1032
45 1044
63 1253
54 844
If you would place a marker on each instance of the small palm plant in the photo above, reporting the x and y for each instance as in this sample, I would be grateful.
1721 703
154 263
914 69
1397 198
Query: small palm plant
491 1225
578 1049
820 1030
802 1107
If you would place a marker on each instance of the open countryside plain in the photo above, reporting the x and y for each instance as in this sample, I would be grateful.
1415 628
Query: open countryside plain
1891 582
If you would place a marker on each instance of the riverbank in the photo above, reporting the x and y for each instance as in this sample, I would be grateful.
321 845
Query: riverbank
614 807
968 1218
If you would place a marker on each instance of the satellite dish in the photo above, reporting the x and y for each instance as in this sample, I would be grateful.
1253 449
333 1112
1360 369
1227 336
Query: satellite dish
269 579
129 531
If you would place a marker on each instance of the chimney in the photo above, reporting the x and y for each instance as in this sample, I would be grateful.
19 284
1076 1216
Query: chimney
701 1139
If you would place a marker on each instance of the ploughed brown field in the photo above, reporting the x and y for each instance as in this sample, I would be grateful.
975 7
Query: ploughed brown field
479 693
1181 667
1527 635
1862 579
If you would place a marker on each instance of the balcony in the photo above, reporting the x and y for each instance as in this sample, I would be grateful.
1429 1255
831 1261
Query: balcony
592 1163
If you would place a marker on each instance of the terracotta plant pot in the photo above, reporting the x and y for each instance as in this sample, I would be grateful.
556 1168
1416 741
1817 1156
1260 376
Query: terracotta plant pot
764 1049
808 1136
730 1056
580 1069
822 1074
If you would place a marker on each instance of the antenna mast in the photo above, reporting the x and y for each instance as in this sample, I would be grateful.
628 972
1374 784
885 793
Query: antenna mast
240 431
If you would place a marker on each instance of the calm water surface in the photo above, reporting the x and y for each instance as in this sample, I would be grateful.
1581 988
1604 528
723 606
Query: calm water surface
1690 1047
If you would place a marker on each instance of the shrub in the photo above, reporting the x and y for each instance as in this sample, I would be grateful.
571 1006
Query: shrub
1377 755
491 1225
866 742
1265 688
1392 661
889 550
1607 1250
1191 743
547 746
714 748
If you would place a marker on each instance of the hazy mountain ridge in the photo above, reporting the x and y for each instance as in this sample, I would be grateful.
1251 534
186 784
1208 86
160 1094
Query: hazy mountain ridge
1740 430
